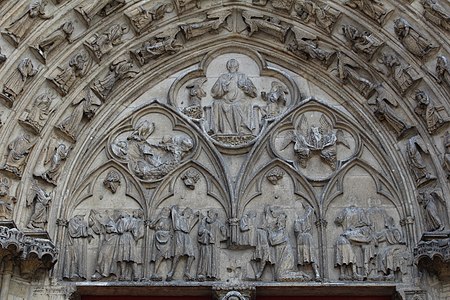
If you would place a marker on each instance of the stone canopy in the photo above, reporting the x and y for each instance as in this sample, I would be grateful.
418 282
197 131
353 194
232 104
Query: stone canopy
225 148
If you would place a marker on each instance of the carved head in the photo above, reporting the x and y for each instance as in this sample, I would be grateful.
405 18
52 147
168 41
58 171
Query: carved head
422 98
275 175
165 212
190 178
138 213
232 65
187 212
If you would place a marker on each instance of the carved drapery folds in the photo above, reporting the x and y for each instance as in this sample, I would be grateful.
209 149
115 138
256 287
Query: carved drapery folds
236 173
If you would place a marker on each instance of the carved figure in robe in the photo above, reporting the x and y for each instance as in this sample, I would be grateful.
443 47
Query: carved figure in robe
75 251
305 245
404 76
55 39
7 201
102 44
16 81
430 113
36 116
162 43
112 181
248 227
442 70
429 200
162 247
231 111
85 106
276 99
416 162
77 68
211 232
267 24
106 228
349 72
435 13
355 247
120 69
19 149
361 42
196 93
374 9
142 18
447 153
93 7
412 39
128 254
263 254
213 23
183 223
21 26
385 112
41 200
56 155
280 245
391 244
309 49
322 14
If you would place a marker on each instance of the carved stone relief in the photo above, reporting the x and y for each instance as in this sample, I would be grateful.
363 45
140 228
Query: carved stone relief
89 9
362 42
17 80
65 79
40 200
18 150
404 77
309 49
36 116
150 156
267 24
374 9
213 23
54 41
18 29
430 200
414 149
436 13
143 17
318 12
162 43
85 107
443 71
365 253
411 39
2 57
278 4
430 113
101 44
446 164
7 201
385 112
122 68
56 154
234 106
112 181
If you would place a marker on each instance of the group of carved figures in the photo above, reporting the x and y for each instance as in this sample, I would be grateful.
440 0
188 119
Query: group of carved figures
370 247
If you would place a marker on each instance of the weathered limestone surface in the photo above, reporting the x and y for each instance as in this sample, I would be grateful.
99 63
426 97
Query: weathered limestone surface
224 147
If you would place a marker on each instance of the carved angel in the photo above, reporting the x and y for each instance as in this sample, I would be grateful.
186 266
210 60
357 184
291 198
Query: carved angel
309 139
41 200
276 99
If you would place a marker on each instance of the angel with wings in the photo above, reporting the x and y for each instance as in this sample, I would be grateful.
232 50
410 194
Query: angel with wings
41 200
309 139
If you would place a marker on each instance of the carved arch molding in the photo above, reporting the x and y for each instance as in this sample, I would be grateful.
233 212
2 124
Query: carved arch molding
226 144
